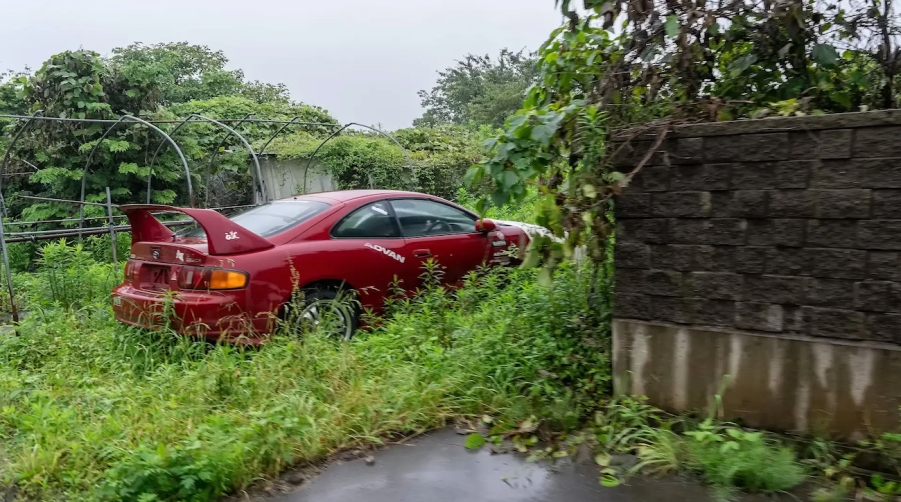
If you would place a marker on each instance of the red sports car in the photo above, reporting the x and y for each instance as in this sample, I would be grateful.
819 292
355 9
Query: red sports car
231 277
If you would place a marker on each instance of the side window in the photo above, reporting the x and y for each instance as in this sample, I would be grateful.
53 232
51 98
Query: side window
422 218
374 220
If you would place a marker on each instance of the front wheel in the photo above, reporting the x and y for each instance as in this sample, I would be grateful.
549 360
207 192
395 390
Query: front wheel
329 311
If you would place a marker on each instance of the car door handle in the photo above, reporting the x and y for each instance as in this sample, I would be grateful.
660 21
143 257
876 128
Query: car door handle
422 253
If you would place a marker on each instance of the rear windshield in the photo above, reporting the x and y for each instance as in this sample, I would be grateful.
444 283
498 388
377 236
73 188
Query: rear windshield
272 218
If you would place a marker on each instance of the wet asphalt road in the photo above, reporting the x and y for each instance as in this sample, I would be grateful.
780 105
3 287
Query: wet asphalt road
437 468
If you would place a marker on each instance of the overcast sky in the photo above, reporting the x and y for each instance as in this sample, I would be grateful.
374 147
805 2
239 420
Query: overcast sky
363 60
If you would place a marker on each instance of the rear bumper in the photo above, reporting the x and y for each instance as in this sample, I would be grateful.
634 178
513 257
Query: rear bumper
215 315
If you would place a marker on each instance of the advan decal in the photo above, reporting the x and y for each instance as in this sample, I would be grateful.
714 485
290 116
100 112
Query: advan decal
386 252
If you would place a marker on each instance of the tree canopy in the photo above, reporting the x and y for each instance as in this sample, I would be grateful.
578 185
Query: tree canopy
479 90
182 72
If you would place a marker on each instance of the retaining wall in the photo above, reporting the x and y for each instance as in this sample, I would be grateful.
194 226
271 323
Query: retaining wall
768 250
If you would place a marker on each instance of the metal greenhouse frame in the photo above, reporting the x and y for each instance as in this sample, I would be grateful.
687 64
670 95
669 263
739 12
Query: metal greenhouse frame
260 190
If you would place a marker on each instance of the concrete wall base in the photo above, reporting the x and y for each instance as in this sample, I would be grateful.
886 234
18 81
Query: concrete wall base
835 388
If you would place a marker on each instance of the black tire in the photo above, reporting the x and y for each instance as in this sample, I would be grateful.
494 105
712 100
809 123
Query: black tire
340 304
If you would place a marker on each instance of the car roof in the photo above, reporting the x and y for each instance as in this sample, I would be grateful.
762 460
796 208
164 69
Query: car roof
347 195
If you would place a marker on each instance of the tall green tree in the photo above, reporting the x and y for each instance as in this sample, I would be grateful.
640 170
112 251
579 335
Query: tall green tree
479 90
184 72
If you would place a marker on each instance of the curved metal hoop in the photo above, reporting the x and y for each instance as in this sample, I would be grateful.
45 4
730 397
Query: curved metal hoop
310 160
84 176
257 175
215 156
282 128
157 151
9 150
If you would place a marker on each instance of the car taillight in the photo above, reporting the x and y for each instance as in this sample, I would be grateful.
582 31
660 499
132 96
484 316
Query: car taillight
129 271
210 278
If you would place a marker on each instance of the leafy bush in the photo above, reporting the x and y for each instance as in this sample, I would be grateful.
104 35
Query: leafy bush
731 458
69 277
96 410
441 156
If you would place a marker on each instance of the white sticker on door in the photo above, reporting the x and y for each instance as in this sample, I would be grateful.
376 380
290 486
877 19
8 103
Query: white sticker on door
386 252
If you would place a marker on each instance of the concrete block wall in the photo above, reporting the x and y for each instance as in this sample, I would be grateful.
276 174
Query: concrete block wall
765 253
780 226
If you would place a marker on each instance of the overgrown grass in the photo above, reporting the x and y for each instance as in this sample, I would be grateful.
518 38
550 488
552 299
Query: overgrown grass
92 410
728 457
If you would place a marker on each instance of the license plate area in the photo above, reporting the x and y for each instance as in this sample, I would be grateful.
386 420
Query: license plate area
155 276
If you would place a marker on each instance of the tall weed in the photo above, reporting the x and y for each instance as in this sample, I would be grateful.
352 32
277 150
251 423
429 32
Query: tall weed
69 277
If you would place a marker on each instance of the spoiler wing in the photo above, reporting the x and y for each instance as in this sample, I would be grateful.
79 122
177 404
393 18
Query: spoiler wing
224 237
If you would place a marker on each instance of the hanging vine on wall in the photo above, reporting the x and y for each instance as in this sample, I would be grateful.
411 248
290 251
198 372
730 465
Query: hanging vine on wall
650 64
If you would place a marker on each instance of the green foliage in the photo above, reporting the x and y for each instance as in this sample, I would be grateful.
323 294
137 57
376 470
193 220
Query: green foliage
441 157
666 62
475 441
729 458
732 458
94 410
478 90
68 85
181 72
137 80
69 277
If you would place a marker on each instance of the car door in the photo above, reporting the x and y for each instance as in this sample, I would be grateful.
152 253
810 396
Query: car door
368 244
444 233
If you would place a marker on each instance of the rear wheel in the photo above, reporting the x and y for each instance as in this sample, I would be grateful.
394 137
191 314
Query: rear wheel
329 311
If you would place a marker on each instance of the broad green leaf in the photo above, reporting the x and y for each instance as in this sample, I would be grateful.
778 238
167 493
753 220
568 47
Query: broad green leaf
672 26
545 277
475 441
858 78
609 481
824 54
590 191
489 143
473 175
543 133
508 179
499 197
714 29
842 98
516 121
602 459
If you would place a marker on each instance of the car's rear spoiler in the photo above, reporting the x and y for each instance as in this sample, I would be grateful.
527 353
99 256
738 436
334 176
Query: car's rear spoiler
224 237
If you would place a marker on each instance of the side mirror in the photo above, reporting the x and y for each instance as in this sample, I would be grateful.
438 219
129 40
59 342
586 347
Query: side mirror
485 226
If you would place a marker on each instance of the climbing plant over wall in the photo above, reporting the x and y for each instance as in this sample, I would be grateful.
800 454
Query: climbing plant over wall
616 65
